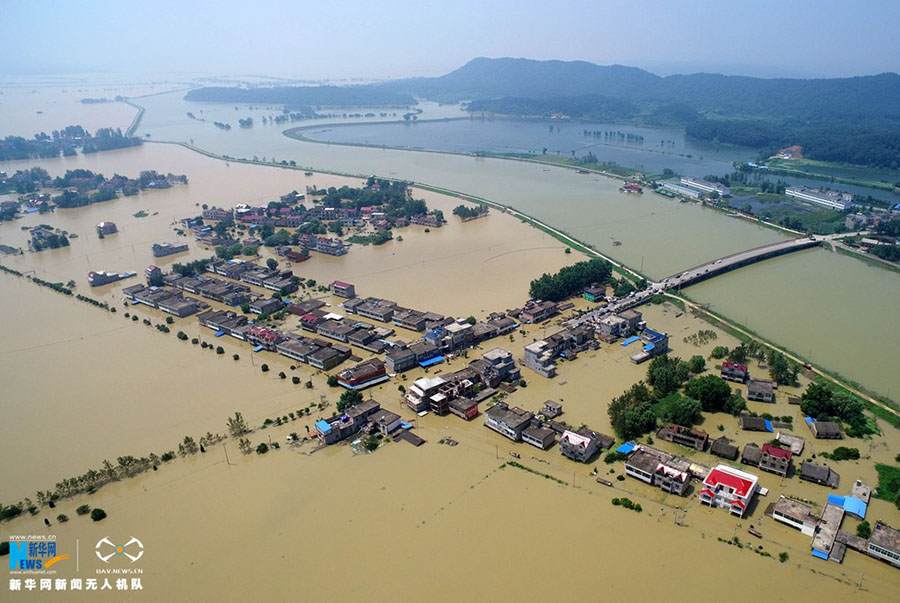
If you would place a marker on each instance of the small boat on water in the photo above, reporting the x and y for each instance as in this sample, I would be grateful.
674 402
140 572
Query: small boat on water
754 532
605 482
515 455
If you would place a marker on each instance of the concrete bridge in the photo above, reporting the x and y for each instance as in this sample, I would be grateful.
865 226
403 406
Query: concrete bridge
737 260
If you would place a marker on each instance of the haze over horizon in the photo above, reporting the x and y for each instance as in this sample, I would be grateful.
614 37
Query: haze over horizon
393 39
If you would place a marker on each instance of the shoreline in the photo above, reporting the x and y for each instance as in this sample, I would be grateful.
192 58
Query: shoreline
510 155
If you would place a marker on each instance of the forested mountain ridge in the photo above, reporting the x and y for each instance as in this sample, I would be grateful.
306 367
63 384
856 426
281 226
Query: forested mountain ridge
853 120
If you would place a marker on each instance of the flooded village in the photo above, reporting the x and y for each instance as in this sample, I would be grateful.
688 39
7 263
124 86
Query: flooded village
406 390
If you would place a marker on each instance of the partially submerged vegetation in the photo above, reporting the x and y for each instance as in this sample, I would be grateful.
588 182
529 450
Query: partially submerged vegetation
64 142
570 280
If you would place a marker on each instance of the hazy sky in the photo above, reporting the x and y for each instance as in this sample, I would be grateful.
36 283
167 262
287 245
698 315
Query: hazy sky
389 38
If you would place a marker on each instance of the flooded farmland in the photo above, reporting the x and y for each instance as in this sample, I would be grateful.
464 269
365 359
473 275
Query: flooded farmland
83 385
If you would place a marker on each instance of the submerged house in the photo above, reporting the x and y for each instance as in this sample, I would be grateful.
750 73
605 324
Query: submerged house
509 422
729 488
760 390
796 514
692 438
581 445
733 371
661 469
723 447
827 430
346 424
819 474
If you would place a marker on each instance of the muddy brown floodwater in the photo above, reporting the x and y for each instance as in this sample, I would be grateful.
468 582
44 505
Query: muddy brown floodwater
429 523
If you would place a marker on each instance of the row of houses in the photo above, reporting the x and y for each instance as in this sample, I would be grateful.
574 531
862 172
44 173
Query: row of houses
829 541
280 281
365 416
540 356
318 353
230 294
722 486
521 425
665 471
826 430
164 299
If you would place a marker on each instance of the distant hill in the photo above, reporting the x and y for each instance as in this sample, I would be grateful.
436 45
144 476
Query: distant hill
876 96
329 96
854 120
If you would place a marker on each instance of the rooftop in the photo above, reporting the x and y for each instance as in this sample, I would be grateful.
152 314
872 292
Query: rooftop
514 417
796 510
777 452
886 537
741 482
384 417
575 439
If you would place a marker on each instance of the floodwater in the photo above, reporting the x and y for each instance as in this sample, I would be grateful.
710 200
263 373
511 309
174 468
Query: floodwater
29 108
661 147
652 234
519 534
860 311
461 269
435 522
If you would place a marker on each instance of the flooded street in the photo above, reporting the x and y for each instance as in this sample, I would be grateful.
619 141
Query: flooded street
456 522
110 373
652 234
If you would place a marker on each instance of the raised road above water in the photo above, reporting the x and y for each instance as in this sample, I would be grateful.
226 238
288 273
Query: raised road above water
737 260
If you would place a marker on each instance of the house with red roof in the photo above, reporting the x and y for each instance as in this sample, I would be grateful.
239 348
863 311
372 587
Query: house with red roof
732 371
775 459
729 488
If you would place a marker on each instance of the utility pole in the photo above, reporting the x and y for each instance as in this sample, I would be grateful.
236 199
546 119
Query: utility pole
225 448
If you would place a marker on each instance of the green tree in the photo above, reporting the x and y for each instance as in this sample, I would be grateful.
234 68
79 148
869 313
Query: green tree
631 414
332 381
711 391
697 364
244 445
719 352
272 263
864 530
780 368
679 409
236 425
349 398
738 354
262 448
98 514
665 374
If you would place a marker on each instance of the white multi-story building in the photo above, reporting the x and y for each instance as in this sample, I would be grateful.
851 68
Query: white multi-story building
709 187
831 199
729 488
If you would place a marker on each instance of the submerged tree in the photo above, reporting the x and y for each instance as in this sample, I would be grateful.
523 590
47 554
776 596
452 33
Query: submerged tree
236 425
